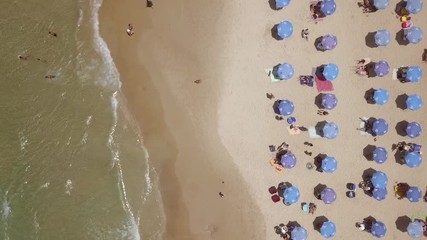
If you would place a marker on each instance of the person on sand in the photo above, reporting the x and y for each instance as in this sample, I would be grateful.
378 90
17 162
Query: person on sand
53 34
312 208
50 76
149 3
304 33
322 112
20 57
308 144
221 194
130 30
361 226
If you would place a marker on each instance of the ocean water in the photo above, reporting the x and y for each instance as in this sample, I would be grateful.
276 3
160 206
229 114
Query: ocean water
72 161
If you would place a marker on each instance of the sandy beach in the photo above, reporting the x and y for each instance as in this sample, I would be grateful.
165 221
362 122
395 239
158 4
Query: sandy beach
213 136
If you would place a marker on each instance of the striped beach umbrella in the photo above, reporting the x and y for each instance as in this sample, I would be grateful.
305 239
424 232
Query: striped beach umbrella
330 71
379 155
381 68
414 102
378 229
328 229
381 96
414 194
382 37
414 74
379 180
288 160
413 35
413 159
285 29
413 129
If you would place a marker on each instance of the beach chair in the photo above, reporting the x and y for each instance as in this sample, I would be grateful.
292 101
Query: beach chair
305 207
306 80
275 198
272 190
394 74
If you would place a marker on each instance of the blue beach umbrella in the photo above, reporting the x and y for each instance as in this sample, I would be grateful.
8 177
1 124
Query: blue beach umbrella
380 155
285 29
379 193
288 160
380 4
381 96
378 229
379 180
329 101
380 127
328 229
328 7
414 35
415 229
382 37
414 194
414 74
414 6
329 164
328 195
330 130
299 233
286 107
282 3
330 71
381 68
413 129
291 195
413 159
414 102
285 71
328 42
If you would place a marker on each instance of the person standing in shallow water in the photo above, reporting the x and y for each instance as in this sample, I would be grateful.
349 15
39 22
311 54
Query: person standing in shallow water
149 3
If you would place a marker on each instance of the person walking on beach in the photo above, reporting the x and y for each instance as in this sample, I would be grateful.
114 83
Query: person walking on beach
129 30
322 112
53 34
149 3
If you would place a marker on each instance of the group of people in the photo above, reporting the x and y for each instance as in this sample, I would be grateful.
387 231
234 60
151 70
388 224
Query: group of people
367 6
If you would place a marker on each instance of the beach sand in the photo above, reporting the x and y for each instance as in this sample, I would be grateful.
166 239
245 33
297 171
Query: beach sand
219 130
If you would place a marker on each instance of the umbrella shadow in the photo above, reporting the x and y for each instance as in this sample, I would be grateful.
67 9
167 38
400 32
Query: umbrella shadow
399 7
319 127
398 157
318 221
318 100
293 224
369 96
274 33
370 123
318 189
401 101
402 223
424 55
400 38
276 106
370 68
318 161
319 72
368 152
369 221
370 40
317 43
367 174
272 4
401 128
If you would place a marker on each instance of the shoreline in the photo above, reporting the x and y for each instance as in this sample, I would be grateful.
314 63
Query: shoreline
171 111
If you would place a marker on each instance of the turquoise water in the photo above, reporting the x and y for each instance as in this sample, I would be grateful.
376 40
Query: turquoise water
72 163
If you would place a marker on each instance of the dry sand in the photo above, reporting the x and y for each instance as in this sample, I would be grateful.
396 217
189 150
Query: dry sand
199 133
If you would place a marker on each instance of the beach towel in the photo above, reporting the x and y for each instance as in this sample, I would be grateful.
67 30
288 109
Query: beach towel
312 133
269 71
323 85
394 74
362 125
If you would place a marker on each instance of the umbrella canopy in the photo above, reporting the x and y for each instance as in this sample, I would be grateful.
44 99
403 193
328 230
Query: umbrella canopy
330 71
414 102
285 29
382 37
381 68
286 107
282 3
414 194
379 180
288 160
328 42
414 74
413 129
328 195
330 130
414 35
415 229
328 229
291 195
378 229
329 164
299 233
379 193
414 6
381 96
380 127
285 71
328 7
379 155
329 101
413 159
380 4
